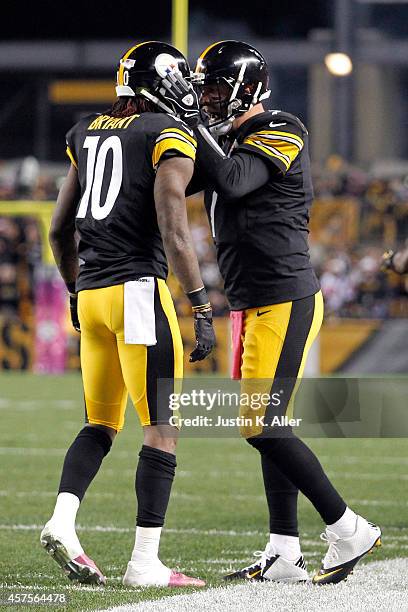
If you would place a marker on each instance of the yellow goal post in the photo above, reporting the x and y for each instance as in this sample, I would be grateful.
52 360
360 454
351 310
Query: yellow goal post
40 210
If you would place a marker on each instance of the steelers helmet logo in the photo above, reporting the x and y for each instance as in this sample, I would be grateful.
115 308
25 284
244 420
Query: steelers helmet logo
166 64
188 100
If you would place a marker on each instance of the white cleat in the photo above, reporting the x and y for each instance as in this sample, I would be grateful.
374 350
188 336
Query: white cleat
157 574
273 567
344 553
76 566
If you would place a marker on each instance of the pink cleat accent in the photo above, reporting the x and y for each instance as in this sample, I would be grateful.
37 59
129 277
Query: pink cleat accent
86 562
80 568
177 579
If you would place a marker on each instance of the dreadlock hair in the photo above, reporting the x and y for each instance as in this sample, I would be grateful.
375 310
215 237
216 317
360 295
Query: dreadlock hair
125 106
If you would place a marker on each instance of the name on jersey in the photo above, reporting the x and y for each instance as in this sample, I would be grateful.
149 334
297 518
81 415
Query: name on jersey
105 122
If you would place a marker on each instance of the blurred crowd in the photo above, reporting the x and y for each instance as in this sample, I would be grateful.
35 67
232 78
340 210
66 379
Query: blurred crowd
355 217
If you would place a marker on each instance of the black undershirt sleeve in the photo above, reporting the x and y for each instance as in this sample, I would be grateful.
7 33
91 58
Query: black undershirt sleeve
232 177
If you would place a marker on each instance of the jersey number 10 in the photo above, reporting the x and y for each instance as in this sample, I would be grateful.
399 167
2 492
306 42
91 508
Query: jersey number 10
95 171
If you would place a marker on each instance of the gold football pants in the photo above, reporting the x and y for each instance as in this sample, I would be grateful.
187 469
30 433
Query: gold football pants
111 368
277 339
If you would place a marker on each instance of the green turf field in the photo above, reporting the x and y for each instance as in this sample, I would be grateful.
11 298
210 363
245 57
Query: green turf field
217 515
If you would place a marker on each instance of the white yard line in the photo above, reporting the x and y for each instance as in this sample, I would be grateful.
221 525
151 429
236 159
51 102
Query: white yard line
379 586
197 497
389 540
353 459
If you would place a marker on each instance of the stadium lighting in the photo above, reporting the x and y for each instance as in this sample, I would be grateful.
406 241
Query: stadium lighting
338 64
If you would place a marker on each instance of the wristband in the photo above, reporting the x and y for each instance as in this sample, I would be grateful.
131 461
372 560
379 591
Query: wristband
71 289
199 300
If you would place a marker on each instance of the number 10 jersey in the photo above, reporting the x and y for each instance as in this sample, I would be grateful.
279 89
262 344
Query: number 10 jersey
116 160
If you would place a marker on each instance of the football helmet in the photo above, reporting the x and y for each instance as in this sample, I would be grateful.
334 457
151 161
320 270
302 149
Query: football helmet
142 68
237 78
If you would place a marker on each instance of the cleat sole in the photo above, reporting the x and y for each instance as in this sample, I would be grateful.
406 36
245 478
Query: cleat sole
73 570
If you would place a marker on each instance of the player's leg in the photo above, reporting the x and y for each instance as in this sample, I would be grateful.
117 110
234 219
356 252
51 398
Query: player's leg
287 452
151 374
264 341
105 402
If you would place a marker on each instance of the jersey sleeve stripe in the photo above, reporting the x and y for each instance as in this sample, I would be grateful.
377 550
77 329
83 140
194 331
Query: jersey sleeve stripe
181 132
269 151
175 135
71 157
177 144
284 148
283 135
277 146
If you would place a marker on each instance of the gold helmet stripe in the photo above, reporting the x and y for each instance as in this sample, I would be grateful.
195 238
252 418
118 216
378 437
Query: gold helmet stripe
125 57
204 53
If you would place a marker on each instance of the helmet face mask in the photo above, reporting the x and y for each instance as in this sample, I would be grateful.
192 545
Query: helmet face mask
238 67
142 68
214 100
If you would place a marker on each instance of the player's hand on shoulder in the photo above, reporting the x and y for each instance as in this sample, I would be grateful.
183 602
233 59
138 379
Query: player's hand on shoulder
182 97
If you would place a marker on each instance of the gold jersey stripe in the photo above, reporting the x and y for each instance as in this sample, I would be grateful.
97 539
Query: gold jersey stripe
269 152
125 57
172 143
190 138
283 149
275 149
71 157
277 133
286 148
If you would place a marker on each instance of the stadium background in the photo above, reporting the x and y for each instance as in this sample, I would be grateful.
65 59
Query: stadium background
56 65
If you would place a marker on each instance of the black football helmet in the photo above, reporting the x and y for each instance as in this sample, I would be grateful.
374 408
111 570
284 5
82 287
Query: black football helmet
239 66
142 68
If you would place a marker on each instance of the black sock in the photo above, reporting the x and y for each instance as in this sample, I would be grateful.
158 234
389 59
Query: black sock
154 478
83 460
282 496
301 466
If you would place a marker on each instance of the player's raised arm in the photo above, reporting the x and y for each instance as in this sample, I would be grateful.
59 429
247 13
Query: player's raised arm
173 176
62 237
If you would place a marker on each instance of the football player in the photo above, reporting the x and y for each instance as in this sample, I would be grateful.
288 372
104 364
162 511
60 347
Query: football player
125 196
258 193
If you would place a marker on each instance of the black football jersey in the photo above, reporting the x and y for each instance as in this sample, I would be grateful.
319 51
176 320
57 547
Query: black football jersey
116 159
262 238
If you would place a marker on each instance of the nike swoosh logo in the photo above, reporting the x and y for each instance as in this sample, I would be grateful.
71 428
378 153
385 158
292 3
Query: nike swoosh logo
254 574
272 124
190 114
320 577
259 314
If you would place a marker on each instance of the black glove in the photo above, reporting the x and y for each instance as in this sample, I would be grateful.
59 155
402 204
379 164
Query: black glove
182 98
73 308
204 333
